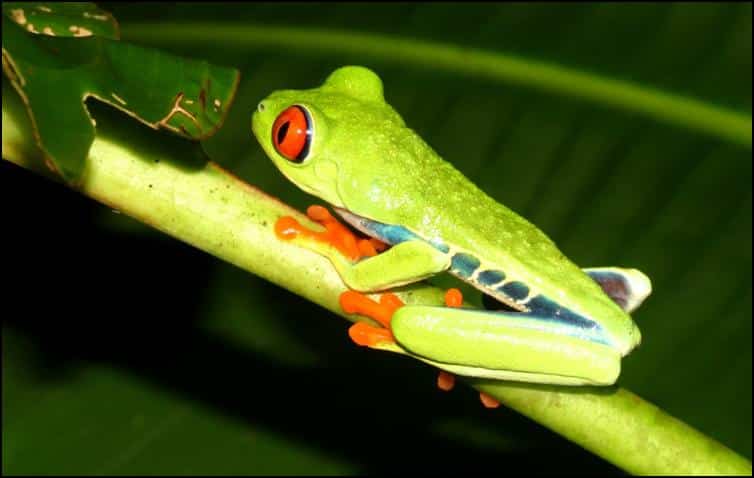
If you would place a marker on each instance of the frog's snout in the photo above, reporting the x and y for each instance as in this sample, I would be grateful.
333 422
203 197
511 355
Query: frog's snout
261 107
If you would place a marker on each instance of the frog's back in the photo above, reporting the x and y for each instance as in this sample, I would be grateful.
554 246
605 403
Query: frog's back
494 247
490 246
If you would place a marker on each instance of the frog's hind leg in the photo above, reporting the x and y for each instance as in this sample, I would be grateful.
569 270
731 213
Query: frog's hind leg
446 380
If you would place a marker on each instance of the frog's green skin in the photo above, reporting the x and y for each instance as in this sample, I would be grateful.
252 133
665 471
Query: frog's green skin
384 179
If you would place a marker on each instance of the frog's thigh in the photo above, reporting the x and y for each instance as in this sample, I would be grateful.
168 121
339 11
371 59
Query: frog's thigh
403 263
500 345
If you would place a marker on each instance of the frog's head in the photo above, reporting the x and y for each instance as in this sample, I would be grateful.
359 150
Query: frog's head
312 134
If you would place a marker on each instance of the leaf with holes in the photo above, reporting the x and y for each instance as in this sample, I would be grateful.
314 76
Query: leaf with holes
69 19
58 56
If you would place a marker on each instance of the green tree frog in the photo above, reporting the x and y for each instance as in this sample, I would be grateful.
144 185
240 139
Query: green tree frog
343 143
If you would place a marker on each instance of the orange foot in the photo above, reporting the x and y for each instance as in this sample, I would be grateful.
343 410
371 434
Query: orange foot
335 233
353 302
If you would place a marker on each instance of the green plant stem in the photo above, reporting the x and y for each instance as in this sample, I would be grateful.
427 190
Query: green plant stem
654 103
211 209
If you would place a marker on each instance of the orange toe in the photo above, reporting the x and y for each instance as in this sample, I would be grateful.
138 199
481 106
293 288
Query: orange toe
488 401
287 228
453 298
366 248
391 301
445 381
353 302
369 336
318 213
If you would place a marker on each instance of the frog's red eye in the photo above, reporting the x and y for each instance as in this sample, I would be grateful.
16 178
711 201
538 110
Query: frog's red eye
292 133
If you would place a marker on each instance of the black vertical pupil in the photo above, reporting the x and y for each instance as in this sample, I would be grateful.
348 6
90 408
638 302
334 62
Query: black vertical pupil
283 131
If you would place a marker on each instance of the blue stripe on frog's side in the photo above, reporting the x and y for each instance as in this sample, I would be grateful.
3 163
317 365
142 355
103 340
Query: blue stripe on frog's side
490 278
464 265
392 234
515 290
540 308
547 310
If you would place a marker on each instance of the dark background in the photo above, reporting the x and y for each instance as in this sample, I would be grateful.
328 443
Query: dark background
126 351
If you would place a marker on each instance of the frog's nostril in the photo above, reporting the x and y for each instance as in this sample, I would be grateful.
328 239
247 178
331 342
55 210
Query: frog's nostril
261 107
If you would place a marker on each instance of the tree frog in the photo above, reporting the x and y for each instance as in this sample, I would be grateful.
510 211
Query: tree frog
343 143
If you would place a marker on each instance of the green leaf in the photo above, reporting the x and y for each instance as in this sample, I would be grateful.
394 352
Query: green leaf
56 74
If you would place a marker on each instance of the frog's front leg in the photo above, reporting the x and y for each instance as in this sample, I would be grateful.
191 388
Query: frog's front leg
403 263
357 261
